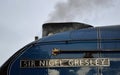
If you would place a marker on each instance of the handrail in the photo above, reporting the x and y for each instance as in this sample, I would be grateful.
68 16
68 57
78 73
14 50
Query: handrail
56 51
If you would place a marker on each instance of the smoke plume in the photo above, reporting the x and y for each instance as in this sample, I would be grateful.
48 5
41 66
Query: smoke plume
84 10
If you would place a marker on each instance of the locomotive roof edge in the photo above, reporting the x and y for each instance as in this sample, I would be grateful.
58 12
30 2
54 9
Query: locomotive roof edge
53 23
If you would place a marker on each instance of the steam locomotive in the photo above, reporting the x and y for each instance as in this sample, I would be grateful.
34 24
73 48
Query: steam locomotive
69 48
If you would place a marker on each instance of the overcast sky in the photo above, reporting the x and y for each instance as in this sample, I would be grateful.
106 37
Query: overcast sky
21 20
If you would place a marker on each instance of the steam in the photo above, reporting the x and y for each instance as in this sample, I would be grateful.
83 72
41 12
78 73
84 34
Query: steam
84 10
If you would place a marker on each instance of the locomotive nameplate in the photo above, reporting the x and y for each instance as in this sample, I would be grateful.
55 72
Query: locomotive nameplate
46 63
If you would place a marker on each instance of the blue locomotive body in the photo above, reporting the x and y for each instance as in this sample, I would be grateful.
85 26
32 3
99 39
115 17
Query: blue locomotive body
98 42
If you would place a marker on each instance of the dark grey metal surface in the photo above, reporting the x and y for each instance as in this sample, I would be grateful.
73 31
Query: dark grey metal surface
53 28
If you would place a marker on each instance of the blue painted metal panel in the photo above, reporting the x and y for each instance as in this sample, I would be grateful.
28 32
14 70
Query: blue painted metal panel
111 41
44 50
34 52
84 34
84 39
112 37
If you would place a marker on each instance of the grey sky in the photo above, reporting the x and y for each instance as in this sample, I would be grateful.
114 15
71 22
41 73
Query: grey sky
21 20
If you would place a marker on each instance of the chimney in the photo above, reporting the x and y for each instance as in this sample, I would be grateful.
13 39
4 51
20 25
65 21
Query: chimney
53 28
